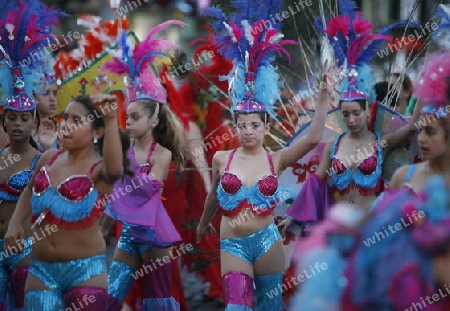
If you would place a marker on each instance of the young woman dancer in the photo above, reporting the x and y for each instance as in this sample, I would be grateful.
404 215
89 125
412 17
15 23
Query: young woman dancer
245 182
68 262
354 160
148 233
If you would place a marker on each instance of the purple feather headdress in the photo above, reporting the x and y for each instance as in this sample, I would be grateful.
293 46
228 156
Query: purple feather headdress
24 34
250 39
354 44
142 79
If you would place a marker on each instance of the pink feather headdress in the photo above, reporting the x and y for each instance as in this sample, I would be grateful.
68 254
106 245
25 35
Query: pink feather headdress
432 86
136 62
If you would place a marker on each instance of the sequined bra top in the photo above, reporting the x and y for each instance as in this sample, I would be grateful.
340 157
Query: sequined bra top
74 203
13 187
367 177
261 197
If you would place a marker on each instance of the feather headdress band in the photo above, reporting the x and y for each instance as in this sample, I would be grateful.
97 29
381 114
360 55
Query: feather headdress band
354 45
23 33
250 40
142 80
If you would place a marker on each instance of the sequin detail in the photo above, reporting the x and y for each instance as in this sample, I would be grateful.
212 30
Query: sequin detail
74 203
252 247
367 177
238 289
120 279
261 197
13 187
62 276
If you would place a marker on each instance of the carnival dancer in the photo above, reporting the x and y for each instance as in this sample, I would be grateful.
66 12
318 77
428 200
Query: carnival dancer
21 80
68 262
354 160
148 233
245 183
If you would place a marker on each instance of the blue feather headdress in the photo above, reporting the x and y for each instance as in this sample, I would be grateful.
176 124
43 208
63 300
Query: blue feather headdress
354 45
249 38
25 30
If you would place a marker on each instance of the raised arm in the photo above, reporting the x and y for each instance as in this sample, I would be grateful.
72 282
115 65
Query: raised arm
112 165
211 201
395 140
291 154
323 171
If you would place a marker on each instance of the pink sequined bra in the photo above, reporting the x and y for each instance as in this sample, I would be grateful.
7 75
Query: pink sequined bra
367 177
74 203
261 197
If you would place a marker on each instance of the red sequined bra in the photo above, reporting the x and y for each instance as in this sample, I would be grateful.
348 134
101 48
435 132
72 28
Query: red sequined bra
74 203
261 198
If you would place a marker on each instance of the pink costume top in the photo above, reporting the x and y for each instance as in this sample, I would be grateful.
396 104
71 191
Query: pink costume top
367 177
74 203
140 206
261 197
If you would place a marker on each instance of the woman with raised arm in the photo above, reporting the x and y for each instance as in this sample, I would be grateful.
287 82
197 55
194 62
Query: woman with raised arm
148 234
67 195
245 180
352 163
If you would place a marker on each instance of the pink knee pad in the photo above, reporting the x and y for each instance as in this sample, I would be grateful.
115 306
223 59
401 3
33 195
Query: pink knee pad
238 289
86 298
157 279
17 278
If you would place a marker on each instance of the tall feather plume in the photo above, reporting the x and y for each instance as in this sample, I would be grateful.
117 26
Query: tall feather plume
136 61
25 29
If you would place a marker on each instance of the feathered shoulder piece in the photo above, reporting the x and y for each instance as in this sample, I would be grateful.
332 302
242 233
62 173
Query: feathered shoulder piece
25 36
250 39
135 61
353 43
432 86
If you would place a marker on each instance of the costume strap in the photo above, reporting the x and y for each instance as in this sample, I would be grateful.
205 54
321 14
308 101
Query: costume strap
230 158
152 149
54 158
269 157
91 170
35 159
410 173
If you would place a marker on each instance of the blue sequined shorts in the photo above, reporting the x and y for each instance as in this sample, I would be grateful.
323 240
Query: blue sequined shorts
62 276
252 247
9 260
127 245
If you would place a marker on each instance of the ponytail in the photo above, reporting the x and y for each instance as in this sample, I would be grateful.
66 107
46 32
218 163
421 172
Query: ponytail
169 132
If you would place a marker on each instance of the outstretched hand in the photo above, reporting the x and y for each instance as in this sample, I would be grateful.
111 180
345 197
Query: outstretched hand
48 134
330 77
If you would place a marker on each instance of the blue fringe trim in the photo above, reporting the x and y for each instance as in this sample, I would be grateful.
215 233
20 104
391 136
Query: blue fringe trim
252 195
